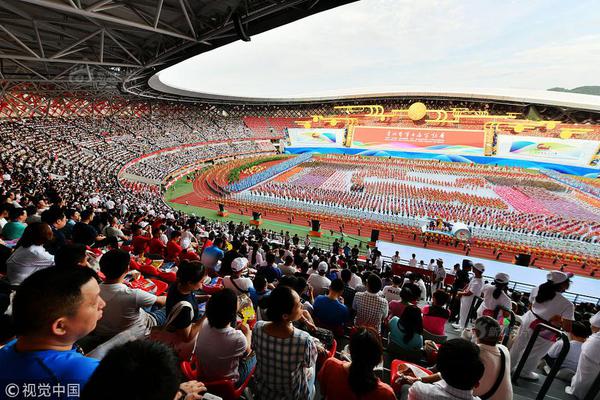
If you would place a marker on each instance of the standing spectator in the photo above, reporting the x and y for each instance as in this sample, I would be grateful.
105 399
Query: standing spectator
466 296
52 309
496 302
285 356
413 261
341 380
371 309
439 275
548 306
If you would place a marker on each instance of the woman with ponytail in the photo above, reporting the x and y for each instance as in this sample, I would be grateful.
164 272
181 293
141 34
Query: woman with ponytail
356 380
496 302
550 307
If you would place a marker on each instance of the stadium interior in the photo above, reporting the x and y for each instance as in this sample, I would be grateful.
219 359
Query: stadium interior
361 209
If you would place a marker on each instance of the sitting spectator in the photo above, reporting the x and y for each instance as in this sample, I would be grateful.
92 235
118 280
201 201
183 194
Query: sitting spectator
406 332
288 268
152 365
16 226
371 309
72 255
212 255
30 254
270 271
229 257
578 335
329 310
125 307
392 292
236 282
173 248
156 247
285 356
460 369
356 380
190 277
259 290
113 230
52 309
140 240
409 295
56 219
222 352
349 292
436 315
84 232
496 361
318 281
588 364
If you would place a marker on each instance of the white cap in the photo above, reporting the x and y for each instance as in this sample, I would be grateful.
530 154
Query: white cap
595 320
501 277
238 264
144 224
479 267
323 266
559 276
185 243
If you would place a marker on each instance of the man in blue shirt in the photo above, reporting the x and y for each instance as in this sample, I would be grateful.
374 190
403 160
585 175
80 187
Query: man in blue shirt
212 255
52 309
329 310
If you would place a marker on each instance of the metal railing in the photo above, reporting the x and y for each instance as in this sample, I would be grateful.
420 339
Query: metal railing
555 367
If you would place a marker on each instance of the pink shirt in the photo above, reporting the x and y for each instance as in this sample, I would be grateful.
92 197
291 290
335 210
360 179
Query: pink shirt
435 325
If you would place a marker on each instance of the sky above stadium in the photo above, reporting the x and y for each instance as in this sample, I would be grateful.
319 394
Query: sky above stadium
379 45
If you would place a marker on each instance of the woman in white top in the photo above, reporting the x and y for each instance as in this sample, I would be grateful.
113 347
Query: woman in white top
496 303
30 255
236 282
548 305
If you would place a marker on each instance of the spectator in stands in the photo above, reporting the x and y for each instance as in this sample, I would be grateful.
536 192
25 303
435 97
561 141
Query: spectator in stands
140 370
156 247
113 230
52 309
56 219
588 364
224 352
413 261
212 255
349 292
406 332
140 241
84 232
255 257
473 290
578 335
341 380
259 290
329 311
229 257
318 281
371 309
73 217
436 315
270 271
125 307
409 295
16 226
285 356
190 277
495 383
496 302
73 255
439 275
4 212
288 268
392 292
30 254
460 368
173 248
236 282
548 306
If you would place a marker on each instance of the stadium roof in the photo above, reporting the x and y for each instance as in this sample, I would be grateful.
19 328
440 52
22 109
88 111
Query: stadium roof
560 99
112 45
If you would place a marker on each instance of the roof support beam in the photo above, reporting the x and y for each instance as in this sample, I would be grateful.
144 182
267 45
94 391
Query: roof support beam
66 61
16 39
158 11
77 43
105 17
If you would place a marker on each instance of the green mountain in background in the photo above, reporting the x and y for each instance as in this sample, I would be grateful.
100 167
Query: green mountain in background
593 90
